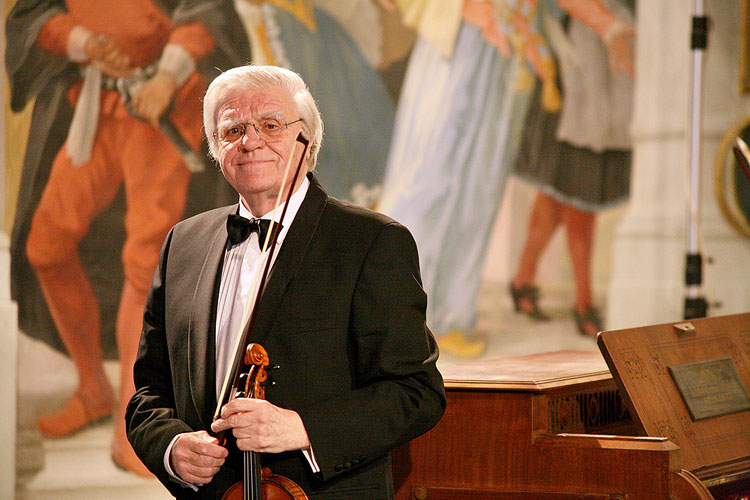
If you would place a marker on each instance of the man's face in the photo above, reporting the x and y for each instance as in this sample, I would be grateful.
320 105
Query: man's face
254 166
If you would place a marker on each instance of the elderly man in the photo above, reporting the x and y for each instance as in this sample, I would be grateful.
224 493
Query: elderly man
342 315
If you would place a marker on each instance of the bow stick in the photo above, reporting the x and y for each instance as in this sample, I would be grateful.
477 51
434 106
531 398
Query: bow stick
231 379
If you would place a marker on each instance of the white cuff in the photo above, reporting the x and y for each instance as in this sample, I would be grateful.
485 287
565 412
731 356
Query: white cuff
167 466
76 48
177 61
310 456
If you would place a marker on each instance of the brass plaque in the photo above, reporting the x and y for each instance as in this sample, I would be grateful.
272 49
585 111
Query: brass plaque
710 388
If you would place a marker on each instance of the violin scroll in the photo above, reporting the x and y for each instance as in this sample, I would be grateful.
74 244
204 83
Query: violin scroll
256 360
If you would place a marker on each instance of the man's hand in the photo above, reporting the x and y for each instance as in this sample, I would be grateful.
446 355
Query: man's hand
482 15
196 457
620 43
260 426
104 54
152 98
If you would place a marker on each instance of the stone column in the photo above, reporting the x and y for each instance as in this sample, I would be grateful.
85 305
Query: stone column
648 282
8 342
8 377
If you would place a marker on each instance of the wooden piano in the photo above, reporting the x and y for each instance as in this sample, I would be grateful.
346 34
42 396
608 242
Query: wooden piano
575 425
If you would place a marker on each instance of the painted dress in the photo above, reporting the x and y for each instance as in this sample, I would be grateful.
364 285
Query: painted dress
457 131
356 108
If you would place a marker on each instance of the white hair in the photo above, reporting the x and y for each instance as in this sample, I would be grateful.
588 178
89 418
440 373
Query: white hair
250 78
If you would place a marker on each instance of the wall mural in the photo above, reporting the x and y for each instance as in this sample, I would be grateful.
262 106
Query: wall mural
428 106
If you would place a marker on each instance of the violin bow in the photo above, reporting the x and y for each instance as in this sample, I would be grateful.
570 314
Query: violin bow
248 319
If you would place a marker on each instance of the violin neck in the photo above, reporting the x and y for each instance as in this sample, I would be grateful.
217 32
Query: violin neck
251 476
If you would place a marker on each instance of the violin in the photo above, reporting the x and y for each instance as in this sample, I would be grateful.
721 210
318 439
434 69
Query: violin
258 483
248 373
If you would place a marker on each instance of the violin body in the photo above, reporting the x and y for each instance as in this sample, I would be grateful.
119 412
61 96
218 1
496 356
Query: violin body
273 487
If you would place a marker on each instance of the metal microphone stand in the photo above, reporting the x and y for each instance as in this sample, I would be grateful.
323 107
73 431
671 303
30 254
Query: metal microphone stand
696 305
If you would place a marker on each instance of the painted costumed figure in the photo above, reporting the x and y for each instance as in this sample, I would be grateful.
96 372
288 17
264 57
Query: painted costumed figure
125 79
579 157
458 126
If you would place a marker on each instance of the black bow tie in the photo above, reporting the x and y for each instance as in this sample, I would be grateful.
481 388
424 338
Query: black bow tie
239 229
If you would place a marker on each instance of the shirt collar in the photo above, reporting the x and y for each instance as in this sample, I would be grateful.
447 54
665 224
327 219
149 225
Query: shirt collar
294 203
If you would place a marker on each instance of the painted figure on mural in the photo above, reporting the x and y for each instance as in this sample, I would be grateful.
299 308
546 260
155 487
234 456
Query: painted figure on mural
307 38
579 157
458 129
124 79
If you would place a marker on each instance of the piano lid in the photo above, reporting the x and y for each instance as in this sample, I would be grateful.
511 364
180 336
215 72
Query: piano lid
689 381
535 372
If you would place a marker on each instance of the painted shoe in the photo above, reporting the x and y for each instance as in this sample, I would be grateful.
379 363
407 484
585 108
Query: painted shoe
457 344
530 294
73 417
589 322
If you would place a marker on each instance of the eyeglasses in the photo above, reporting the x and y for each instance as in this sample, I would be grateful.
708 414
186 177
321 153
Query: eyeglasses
268 130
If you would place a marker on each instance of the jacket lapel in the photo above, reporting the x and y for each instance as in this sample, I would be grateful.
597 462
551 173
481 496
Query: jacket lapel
202 326
289 259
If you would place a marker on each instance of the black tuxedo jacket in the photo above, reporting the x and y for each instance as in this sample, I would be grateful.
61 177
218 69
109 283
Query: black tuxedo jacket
342 314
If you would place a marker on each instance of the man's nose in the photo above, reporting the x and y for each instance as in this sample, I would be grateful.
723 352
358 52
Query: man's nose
250 139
